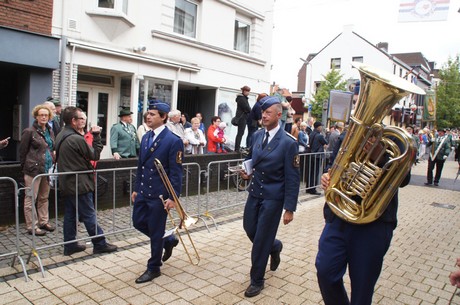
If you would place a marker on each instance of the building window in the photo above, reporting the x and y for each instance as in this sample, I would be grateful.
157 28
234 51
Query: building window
357 59
242 34
117 5
335 63
185 18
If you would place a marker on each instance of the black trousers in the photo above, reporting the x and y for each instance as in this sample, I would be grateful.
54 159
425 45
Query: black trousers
239 135
431 164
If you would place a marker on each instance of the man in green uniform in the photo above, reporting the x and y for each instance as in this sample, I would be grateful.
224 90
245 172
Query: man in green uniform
123 138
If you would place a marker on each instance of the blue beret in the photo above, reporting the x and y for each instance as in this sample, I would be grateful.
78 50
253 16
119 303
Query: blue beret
160 106
269 101
357 85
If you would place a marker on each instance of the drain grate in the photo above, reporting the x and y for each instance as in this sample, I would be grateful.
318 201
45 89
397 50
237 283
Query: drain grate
443 205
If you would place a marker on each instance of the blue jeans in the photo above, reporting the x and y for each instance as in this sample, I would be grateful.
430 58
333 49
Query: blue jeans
86 214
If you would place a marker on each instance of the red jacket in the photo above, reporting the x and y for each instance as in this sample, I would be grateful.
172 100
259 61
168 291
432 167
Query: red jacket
212 139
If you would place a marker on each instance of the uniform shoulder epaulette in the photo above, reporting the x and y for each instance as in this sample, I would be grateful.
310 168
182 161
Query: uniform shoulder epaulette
290 135
177 135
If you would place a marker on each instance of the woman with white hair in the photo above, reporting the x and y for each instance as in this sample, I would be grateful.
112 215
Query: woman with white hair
195 137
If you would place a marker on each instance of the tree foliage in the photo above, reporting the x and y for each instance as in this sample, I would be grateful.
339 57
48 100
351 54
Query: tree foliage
332 81
448 95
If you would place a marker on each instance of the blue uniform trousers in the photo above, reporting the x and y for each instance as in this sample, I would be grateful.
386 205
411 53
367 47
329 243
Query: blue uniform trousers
149 217
362 247
261 220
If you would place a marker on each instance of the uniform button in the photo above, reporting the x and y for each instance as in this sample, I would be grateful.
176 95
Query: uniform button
150 186
150 195
143 167
151 169
263 173
252 183
260 194
142 176
142 183
142 192
262 187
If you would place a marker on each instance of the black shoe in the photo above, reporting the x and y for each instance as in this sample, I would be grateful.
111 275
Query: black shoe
168 250
427 183
147 276
105 249
38 232
436 184
314 192
275 259
74 249
253 290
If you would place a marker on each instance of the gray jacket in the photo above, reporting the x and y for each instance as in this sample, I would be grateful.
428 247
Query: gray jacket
74 154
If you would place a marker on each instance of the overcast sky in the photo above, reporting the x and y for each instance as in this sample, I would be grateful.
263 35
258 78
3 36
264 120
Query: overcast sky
306 26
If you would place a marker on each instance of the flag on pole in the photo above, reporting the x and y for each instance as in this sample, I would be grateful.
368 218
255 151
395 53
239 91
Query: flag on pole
423 10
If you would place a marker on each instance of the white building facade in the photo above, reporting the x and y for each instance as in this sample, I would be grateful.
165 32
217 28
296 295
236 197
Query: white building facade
192 54
346 48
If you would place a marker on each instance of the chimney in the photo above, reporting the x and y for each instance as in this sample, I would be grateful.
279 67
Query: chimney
383 46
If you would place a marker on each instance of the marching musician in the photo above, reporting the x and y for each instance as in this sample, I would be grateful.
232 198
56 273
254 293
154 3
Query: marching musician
361 247
150 211
274 187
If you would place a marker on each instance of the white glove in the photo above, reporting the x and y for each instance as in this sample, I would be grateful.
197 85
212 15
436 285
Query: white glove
444 157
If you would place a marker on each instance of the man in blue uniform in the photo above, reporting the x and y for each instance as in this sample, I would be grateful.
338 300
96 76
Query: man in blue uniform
274 186
149 213
361 247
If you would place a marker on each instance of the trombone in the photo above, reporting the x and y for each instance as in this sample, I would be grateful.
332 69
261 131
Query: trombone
185 219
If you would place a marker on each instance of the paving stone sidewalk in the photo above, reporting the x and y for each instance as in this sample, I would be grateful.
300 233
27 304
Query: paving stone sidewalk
416 268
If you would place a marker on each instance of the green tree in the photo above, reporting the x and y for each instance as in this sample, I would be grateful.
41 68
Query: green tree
332 81
448 95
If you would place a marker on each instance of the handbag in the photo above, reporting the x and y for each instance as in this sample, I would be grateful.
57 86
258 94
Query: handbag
235 120
53 178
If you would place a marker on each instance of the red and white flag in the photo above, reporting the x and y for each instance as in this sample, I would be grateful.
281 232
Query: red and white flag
423 10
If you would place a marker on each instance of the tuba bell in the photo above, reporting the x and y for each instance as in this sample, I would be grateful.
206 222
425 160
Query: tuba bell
370 165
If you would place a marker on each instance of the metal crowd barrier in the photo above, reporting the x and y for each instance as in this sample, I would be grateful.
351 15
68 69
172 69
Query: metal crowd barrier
224 191
112 224
230 188
15 251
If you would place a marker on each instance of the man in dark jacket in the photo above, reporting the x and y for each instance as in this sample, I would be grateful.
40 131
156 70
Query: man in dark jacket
254 118
242 112
74 154
317 143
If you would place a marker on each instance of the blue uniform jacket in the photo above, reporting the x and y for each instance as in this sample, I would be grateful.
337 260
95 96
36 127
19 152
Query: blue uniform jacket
276 173
168 148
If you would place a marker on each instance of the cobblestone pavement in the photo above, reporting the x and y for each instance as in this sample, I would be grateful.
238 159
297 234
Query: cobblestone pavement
416 267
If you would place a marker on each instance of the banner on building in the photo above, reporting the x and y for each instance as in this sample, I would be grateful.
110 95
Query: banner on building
423 10
340 103
429 107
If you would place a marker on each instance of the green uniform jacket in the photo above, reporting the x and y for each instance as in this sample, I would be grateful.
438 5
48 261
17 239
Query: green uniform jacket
123 140
445 149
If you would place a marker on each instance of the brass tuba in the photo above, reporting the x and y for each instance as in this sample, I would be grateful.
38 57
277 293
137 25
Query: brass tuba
370 166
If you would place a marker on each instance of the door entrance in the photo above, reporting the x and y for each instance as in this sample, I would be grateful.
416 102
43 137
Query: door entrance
95 101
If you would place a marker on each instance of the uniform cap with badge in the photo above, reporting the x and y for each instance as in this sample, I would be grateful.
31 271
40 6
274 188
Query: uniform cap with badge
269 101
160 106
